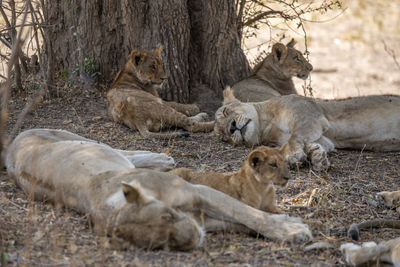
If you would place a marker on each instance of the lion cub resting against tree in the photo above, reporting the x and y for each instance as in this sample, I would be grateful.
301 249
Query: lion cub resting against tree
311 127
253 184
273 76
133 99
148 208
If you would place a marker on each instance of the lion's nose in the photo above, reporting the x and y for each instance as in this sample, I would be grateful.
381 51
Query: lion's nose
309 67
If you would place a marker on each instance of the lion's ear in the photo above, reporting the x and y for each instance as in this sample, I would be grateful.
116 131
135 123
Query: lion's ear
228 96
279 51
256 158
292 43
158 50
134 193
137 57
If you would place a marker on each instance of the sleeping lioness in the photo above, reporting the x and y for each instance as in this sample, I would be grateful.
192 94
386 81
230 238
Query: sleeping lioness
148 208
273 76
133 99
253 184
311 127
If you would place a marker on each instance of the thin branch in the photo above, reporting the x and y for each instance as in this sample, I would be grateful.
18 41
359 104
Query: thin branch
6 89
261 16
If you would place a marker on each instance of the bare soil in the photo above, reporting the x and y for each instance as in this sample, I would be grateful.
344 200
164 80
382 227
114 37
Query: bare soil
34 233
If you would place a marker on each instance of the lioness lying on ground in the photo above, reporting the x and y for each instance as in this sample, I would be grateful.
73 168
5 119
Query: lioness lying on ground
273 76
133 99
253 184
311 127
148 208
370 252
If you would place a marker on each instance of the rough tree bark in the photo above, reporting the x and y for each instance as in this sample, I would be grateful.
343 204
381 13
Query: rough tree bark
201 44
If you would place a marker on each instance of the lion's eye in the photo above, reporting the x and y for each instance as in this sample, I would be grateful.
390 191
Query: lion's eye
273 165
153 67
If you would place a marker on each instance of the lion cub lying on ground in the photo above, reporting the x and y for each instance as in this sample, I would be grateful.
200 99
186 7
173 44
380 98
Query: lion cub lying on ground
311 127
253 184
370 252
133 99
273 76
148 208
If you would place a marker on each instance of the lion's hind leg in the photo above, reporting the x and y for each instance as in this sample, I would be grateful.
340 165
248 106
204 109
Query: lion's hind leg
177 119
386 251
187 109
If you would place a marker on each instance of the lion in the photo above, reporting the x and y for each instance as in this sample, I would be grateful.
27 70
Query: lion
273 76
311 127
133 99
370 252
144 207
253 184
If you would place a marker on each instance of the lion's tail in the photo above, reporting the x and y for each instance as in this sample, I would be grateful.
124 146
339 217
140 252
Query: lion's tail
354 230
167 135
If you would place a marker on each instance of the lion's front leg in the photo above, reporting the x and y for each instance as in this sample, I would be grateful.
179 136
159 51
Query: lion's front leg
222 207
149 160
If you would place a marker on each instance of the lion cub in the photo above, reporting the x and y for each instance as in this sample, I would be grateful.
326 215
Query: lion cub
253 184
133 99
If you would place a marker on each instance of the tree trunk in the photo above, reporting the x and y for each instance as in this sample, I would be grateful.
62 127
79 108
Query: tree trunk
201 45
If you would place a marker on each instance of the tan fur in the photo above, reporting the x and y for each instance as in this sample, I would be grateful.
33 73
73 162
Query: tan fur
372 253
311 127
253 184
148 208
273 76
133 99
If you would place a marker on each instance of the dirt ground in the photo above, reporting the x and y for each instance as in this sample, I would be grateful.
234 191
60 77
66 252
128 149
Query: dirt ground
349 59
33 233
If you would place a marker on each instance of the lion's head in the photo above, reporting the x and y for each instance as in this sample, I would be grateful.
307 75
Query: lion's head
236 122
145 67
149 223
268 165
288 61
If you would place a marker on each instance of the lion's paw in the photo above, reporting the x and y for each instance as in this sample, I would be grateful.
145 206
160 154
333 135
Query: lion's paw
318 157
354 253
297 156
291 229
200 117
390 199
150 160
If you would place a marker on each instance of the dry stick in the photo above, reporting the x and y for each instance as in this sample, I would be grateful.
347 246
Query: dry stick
49 48
391 53
35 23
32 103
6 89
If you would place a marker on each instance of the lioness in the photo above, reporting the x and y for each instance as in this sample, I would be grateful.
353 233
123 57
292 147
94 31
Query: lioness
133 99
310 126
273 76
253 184
149 208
